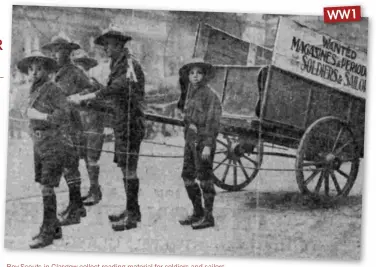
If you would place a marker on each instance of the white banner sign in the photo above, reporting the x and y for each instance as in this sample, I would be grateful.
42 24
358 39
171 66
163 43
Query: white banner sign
320 58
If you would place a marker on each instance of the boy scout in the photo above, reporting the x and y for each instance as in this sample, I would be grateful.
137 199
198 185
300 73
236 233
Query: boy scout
202 120
126 86
48 112
71 80
93 136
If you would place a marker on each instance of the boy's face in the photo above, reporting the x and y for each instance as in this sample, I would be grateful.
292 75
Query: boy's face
37 71
113 47
61 55
196 75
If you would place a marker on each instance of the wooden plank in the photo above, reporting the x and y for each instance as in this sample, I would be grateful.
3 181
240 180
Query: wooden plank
287 99
220 48
225 49
163 119
240 89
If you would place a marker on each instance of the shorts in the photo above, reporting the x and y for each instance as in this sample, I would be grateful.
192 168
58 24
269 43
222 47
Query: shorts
91 146
122 147
49 158
92 139
194 166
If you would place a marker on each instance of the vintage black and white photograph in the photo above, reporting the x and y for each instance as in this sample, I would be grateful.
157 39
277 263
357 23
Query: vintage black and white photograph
185 133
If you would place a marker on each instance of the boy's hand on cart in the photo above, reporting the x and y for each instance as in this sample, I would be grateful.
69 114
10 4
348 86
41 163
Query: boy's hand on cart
206 153
34 114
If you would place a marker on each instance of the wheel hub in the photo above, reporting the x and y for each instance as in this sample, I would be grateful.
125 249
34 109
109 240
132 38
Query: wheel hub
330 158
332 161
234 152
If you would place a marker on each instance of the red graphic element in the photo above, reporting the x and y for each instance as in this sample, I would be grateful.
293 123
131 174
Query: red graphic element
1 42
342 14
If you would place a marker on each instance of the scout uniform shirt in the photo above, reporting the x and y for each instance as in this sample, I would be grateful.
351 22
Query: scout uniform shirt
72 80
47 97
203 109
126 85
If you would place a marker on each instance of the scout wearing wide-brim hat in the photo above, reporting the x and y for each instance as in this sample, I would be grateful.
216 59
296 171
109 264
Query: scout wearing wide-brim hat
198 62
114 32
61 42
37 57
80 57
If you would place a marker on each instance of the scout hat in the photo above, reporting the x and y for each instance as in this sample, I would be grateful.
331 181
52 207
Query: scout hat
61 41
112 31
36 56
198 62
80 57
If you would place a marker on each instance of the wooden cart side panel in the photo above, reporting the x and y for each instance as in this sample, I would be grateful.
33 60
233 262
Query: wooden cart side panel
318 57
327 102
286 100
241 92
202 38
224 49
293 102
218 83
237 87
220 48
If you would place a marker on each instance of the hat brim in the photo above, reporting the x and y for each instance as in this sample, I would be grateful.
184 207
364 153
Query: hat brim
101 40
207 67
56 46
86 62
24 64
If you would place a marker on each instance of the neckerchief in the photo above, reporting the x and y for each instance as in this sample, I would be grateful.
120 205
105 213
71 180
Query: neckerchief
37 84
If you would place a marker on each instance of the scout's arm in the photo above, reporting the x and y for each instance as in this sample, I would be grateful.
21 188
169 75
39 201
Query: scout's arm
126 84
82 81
82 84
212 121
61 109
115 88
86 88
123 85
95 86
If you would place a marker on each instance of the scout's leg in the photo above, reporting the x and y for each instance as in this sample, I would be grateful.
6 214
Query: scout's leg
209 195
131 185
205 176
50 228
48 173
119 146
75 209
93 153
193 190
94 195
93 145
48 170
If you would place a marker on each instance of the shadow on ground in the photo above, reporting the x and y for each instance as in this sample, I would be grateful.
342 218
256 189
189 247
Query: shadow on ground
298 202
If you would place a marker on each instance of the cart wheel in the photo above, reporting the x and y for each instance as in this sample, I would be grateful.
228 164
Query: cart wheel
327 161
236 166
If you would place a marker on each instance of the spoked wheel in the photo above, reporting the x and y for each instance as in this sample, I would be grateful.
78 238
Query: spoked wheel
327 161
235 166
